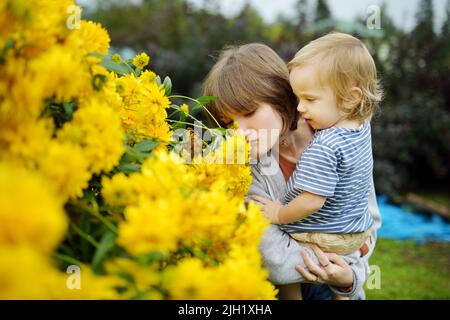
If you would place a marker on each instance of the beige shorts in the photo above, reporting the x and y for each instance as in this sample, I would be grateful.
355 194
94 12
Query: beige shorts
341 244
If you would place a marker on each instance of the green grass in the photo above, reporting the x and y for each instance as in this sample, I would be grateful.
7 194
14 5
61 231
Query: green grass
411 271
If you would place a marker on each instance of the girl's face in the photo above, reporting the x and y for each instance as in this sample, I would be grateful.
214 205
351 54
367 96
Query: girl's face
262 127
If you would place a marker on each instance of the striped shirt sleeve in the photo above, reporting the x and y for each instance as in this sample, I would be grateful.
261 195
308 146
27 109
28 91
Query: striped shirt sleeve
317 171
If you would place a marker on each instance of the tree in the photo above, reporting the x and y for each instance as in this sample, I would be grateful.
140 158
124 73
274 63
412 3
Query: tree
302 14
443 62
322 11
424 30
446 26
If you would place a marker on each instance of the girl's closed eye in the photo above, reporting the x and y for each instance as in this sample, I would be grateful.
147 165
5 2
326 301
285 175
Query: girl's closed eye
249 114
226 123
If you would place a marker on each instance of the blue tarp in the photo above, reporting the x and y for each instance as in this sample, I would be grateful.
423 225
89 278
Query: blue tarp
398 223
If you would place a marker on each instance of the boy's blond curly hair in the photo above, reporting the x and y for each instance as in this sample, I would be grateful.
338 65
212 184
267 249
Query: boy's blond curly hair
344 62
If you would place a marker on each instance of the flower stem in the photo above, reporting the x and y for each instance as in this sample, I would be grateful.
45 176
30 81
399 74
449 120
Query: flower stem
84 235
203 106
66 258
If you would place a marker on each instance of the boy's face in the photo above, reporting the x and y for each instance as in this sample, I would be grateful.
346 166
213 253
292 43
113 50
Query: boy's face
317 102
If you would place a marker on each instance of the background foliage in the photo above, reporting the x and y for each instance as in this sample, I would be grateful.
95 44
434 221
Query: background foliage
412 129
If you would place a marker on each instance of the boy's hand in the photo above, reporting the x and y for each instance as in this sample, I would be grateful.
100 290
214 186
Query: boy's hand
271 209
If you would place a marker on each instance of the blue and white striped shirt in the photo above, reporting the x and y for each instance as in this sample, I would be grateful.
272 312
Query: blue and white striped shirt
337 164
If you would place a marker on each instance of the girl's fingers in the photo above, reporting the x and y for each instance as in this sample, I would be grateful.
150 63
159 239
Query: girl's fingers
323 259
306 274
337 259
312 267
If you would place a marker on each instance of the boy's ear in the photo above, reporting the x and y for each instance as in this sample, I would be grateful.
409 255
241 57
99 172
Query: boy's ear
352 101
356 94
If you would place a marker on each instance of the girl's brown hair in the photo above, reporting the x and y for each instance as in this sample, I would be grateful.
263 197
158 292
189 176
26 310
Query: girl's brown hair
245 76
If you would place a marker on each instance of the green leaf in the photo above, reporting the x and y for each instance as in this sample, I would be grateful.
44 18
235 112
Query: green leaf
150 258
128 168
85 245
97 55
8 45
203 100
126 276
182 117
69 108
207 99
98 81
146 145
158 80
139 296
168 86
106 244
137 72
116 67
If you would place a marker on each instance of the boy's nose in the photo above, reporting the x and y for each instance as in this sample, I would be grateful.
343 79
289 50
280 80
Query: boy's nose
301 108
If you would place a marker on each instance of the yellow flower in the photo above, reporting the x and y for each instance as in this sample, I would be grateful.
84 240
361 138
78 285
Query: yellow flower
143 277
242 277
116 58
21 96
148 76
26 143
185 108
30 213
190 279
120 190
90 37
227 163
150 226
144 108
252 227
36 25
209 216
27 274
66 167
97 129
141 60
91 286
107 92
61 73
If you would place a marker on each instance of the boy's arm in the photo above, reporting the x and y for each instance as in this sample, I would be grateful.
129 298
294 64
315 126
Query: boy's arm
301 207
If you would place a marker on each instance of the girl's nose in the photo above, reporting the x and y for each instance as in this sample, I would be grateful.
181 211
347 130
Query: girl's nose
242 123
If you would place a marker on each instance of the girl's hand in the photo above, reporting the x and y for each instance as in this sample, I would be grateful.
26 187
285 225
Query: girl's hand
334 270
271 209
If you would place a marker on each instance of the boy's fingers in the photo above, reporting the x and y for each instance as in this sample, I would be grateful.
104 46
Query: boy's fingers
259 199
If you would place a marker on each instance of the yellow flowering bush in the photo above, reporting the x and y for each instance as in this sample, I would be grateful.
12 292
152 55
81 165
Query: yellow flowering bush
92 180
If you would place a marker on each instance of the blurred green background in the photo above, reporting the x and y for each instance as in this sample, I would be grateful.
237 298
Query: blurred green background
411 133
